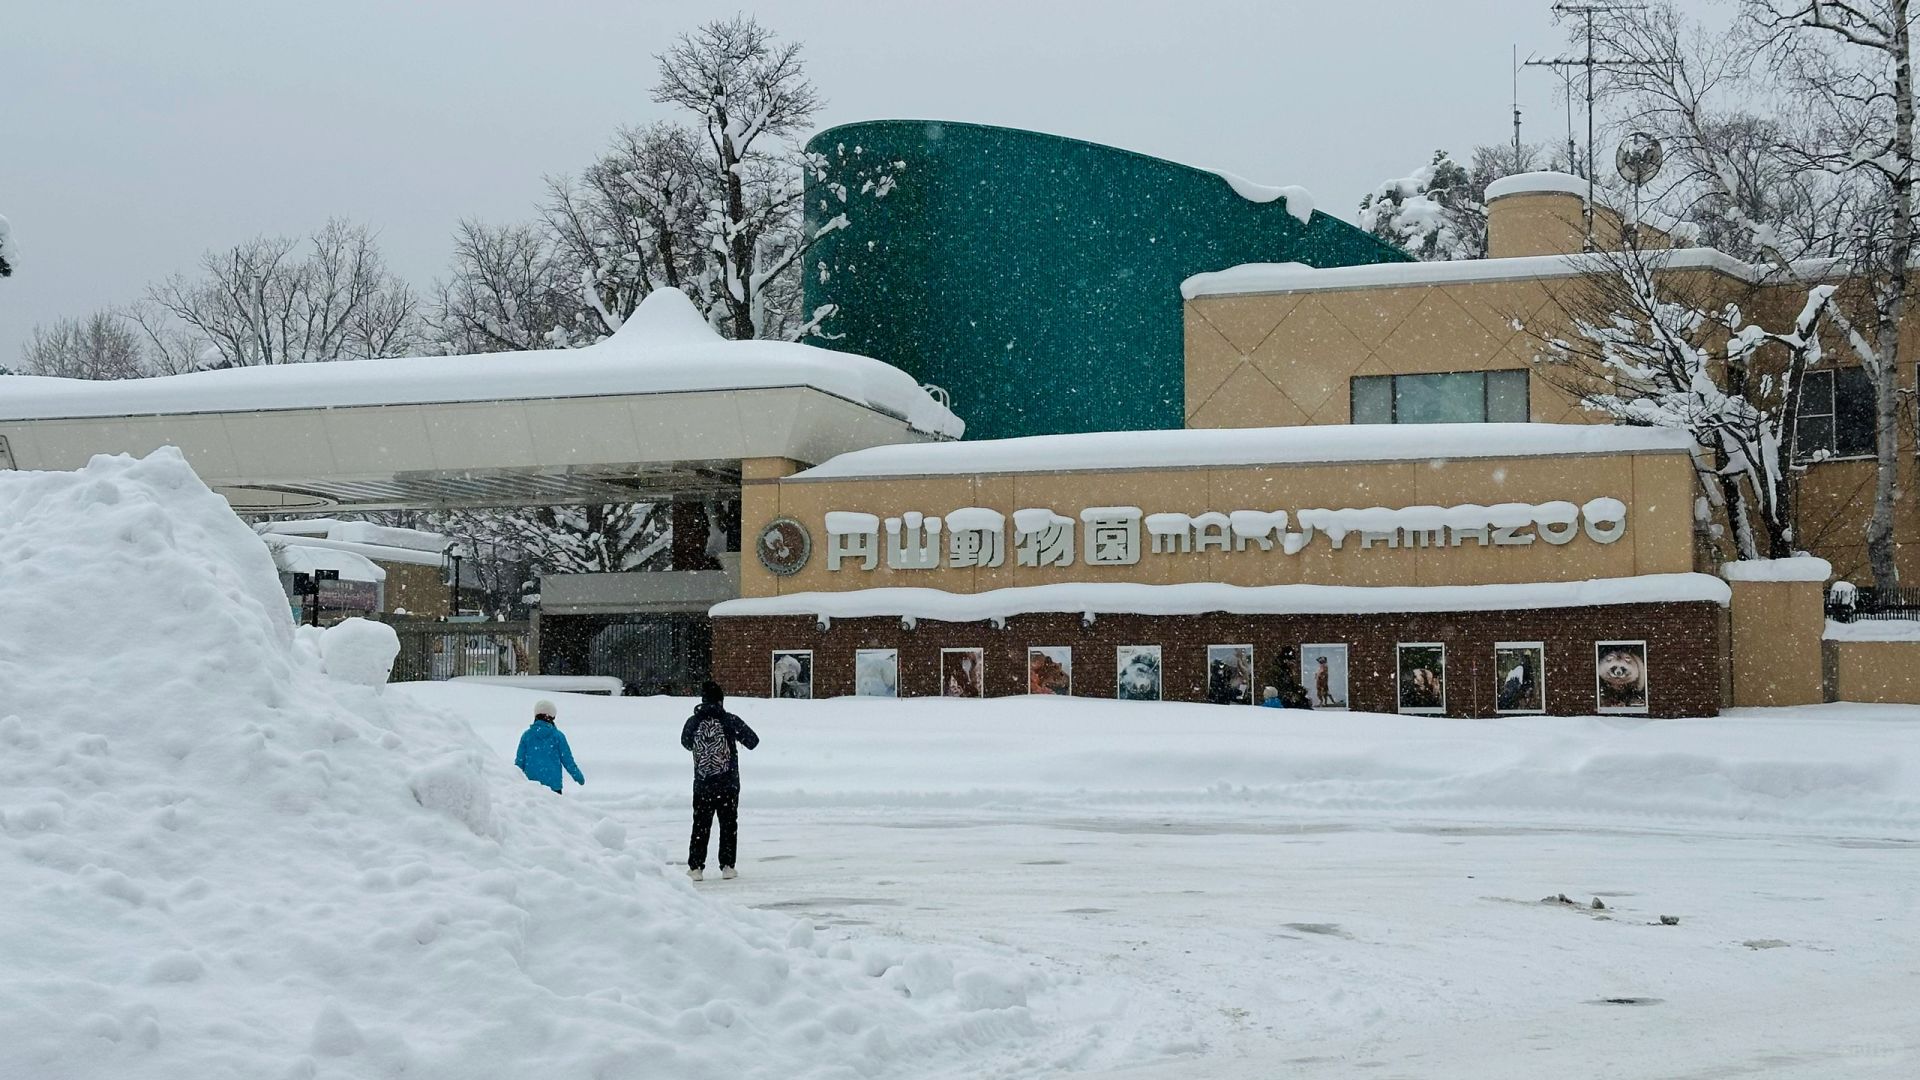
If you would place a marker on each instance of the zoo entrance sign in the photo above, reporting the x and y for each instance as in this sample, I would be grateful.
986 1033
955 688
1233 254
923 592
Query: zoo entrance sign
1120 535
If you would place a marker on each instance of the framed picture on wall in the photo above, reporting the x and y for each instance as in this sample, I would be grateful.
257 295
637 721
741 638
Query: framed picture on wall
1050 670
1421 677
793 673
1323 675
876 673
1620 676
1136 672
961 672
1519 677
1230 674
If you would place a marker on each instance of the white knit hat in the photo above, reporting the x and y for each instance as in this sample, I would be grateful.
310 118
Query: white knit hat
544 707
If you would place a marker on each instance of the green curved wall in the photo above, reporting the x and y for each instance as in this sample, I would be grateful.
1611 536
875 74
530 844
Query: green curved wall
1036 278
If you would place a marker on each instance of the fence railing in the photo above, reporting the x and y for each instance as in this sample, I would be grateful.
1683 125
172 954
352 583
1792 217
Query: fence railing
437 651
1852 603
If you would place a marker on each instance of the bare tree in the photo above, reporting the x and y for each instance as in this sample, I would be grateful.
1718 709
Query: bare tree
750 92
509 291
100 346
632 221
265 302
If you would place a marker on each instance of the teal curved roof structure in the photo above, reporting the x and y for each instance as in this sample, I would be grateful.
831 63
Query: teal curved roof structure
1033 277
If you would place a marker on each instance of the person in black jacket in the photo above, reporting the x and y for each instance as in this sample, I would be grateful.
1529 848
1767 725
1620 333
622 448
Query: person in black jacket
713 735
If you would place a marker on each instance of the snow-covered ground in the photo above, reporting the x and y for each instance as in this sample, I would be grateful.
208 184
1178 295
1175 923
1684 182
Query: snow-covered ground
1231 892
225 854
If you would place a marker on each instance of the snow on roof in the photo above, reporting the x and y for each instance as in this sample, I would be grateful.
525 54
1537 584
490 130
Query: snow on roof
376 552
1204 447
358 532
294 557
1801 568
1299 199
665 347
1299 277
1196 598
1558 183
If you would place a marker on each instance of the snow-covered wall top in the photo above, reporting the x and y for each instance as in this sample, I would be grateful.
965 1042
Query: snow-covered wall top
665 347
1295 277
1202 597
1204 447
1803 568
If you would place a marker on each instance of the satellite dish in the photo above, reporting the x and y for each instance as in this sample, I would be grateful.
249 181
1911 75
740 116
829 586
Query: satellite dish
1639 158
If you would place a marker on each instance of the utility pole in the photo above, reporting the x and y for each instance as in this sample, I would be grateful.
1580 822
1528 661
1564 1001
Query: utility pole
1566 65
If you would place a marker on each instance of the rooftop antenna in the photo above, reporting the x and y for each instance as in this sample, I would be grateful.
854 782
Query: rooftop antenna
1516 108
1566 65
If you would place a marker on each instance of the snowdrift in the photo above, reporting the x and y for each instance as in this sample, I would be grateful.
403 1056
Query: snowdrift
221 860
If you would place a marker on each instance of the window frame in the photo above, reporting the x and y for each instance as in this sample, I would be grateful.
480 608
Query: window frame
1486 394
1803 457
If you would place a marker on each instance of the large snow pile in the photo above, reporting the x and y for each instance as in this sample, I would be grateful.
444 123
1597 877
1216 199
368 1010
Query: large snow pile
220 861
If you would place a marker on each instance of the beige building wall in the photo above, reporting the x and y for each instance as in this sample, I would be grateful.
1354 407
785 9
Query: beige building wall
1550 223
1880 672
1657 488
1288 358
418 590
1776 632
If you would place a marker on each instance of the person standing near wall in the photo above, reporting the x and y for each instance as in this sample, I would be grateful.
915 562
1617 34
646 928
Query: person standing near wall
713 735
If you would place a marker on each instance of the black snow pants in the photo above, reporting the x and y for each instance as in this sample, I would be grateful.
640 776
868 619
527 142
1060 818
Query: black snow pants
715 795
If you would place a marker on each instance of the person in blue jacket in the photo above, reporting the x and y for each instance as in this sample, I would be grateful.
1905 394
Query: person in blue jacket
544 750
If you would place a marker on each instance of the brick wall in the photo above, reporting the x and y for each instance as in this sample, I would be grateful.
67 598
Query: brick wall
1684 651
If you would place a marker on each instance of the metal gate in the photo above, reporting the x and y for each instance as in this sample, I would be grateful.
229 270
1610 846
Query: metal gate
436 651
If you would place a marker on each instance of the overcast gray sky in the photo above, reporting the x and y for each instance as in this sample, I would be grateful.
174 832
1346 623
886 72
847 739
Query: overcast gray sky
135 135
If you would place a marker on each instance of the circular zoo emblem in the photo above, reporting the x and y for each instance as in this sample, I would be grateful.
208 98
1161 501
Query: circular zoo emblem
784 546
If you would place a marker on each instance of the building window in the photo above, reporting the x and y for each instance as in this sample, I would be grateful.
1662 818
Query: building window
1836 416
1454 397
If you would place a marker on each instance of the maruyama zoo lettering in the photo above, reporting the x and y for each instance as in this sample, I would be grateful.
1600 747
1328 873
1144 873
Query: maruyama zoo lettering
1113 535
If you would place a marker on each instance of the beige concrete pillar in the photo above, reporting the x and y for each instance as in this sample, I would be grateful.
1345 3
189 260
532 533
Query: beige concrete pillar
759 504
1778 618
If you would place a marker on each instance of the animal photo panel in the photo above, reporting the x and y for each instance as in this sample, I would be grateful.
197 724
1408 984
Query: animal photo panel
876 673
1136 672
1620 676
793 674
1422 677
1519 677
1323 675
1230 674
961 672
1050 670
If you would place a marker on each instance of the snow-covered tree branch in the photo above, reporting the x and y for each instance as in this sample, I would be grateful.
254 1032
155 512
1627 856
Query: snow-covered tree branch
1646 348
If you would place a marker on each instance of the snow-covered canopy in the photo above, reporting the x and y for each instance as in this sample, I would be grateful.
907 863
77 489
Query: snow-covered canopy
358 532
1202 447
293 557
377 552
664 348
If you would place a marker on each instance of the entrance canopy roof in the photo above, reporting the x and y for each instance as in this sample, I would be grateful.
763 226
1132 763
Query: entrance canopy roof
663 407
